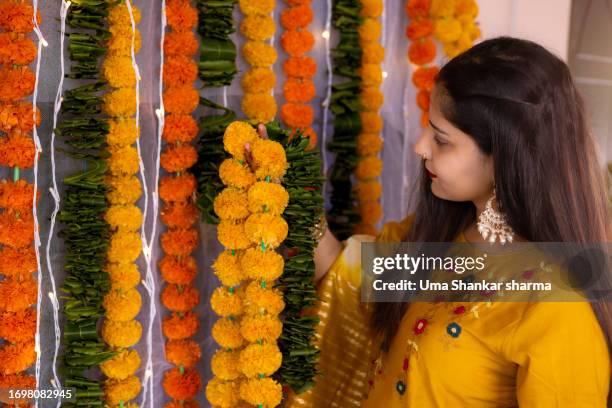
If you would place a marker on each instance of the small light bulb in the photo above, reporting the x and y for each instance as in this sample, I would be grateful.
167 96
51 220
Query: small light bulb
45 43
384 74
325 34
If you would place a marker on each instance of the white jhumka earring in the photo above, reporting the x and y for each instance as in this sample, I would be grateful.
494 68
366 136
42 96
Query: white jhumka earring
492 224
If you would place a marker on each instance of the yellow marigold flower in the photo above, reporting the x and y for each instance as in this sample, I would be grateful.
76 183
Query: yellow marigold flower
465 42
269 158
267 197
371 8
263 7
261 327
236 174
368 191
120 102
469 7
231 204
371 98
448 30
373 53
368 168
122 305
116 391
124 247
119 71
123 189
266 392
259 54
224 364
122 44
260 359
225 303
262 265
371 75
371 212
232 236
474 31
223 393
236 135
226 333
123 275
259 107
258 27
263 300
370 31
122 132
442 8
123 161
227 268
120 15
369 144
258 80
121 334
451 50
371 122
124 217
122 365
267 228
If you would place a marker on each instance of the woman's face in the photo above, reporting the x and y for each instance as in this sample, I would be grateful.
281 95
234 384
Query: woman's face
458 169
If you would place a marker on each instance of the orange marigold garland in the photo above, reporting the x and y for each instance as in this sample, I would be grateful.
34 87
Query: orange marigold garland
18 288
299 88
250 228
122 303
257 26
179 212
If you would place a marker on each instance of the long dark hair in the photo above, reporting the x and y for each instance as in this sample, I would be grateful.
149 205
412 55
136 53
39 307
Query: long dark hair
520 105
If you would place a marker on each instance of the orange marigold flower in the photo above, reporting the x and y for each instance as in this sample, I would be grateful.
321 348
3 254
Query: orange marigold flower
425 119
18 116
296 17
179 241
179 214
300 67
180 43
369 143
16 83
180 298
180 128
418 29
182 386
296 43
177 326
17 151
178 158
16 195
179 70
178 188
422 99
371 8
181 15
296 90
425 77
422 52
297 116
17 16
16 357
182 404
184 353
178 271
417 8
370 30
19 381
372 98
18 263
17 295
309 133
16 51
16 229
181 99
373 53
19 326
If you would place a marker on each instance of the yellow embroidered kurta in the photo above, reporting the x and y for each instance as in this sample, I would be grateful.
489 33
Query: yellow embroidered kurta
538 354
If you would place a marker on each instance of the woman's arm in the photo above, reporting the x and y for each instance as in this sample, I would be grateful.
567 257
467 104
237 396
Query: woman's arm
326 253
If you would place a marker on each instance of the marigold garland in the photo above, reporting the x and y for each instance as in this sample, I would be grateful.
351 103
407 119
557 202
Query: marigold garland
251 226
18 262
258 26
179 214
299 88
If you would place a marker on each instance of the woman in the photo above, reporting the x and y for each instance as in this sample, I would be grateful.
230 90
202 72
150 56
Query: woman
508 138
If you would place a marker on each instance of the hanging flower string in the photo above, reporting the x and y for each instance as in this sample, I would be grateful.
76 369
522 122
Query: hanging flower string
250 229
179 213
455 25
299 88
18 288
258 104
369 141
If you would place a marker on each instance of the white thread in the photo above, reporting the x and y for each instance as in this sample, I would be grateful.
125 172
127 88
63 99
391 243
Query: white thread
327 99
56 198
225 96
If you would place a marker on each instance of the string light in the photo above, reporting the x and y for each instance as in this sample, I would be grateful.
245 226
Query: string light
325 34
